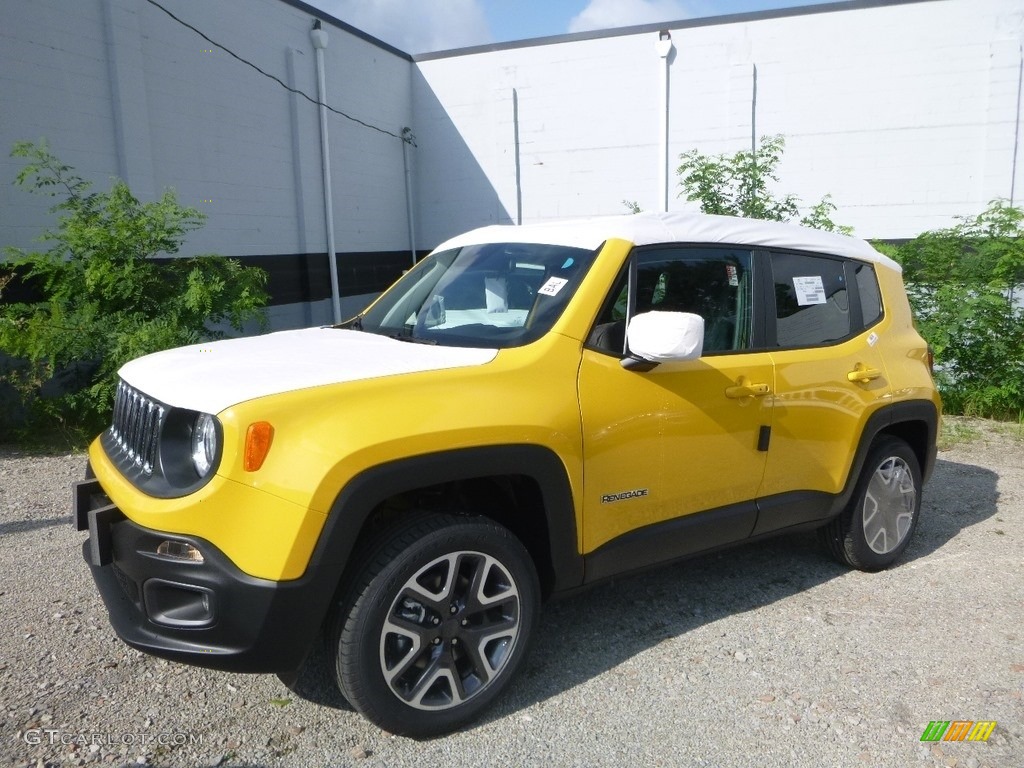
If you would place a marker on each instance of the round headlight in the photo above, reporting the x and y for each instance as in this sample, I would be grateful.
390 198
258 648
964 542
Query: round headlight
204 444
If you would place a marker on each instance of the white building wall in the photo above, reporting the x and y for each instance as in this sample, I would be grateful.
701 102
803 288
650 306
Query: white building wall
54 83
118 88
906 114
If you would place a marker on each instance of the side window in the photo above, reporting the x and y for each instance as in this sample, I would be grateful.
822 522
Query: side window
812 303
870 296
715 283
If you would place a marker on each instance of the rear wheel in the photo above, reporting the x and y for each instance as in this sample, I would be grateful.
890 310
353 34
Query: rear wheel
437 625
876 527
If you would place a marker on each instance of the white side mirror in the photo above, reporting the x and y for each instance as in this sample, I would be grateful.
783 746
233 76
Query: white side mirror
665 337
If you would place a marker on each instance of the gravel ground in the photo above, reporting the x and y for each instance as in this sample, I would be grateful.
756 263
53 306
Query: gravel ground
767 655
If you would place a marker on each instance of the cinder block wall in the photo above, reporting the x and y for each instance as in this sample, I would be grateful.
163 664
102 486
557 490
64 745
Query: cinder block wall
908 114
118 88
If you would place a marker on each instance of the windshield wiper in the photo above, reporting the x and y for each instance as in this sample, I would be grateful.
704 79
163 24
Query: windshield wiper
355 324
413 339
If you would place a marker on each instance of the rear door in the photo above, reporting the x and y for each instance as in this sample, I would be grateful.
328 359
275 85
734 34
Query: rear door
829 377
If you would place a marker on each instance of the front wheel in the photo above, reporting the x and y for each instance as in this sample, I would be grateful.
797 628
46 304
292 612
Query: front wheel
437 625
876 527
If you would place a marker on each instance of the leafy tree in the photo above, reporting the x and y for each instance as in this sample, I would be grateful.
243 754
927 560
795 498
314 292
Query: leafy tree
104 300
965 284
739 185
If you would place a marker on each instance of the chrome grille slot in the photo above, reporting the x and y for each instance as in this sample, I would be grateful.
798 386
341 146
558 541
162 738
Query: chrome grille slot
136 426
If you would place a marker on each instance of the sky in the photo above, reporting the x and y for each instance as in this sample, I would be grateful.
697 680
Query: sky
420 26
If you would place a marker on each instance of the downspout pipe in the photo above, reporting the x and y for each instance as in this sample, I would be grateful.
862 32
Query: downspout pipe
1016 128
663 47
408 139
319 38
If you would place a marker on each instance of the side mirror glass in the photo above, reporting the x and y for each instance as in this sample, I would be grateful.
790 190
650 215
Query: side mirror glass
664 337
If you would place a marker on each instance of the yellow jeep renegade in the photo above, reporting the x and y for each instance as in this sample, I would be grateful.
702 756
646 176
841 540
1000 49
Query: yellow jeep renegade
528 411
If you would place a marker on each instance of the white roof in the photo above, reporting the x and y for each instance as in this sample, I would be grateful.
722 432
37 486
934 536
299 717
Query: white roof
651 228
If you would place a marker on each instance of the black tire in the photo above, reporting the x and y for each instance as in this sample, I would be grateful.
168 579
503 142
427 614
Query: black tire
876 527
436 624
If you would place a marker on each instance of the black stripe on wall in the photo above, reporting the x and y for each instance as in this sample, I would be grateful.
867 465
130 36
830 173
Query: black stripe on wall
298 277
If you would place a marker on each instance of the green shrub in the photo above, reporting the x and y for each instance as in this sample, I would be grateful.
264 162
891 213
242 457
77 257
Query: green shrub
739 185
965 285
103 299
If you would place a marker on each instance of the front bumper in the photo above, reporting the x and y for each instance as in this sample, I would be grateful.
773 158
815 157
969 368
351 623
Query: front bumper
206 613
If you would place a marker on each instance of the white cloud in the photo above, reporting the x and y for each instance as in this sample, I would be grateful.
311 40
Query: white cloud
609 14
415 27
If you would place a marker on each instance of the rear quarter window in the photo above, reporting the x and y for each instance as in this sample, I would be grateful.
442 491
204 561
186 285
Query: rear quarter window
868 291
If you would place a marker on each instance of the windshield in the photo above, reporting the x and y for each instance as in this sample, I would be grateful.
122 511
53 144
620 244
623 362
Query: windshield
492 295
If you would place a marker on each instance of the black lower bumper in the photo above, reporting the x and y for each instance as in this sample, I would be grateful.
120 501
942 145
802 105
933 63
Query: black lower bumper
205 613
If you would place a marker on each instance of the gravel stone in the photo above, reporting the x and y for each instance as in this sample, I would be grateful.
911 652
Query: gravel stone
839 667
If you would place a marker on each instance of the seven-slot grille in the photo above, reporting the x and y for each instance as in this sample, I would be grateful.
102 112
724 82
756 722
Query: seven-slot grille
136 427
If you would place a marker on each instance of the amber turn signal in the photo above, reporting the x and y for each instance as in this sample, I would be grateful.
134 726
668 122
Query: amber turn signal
258 438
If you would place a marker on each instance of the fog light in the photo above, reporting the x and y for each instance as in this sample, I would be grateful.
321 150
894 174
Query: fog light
180 550
187 606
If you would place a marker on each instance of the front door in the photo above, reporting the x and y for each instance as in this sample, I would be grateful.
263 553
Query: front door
683 438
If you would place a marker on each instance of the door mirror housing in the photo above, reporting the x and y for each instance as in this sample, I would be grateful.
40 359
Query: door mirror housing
663 337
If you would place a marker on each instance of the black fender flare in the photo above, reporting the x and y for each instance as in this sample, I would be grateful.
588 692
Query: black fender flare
888 419
364 492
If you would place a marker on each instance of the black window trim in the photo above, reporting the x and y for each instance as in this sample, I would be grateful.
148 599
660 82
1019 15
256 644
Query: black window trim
628 269
763 314
851 278
757 332
853 292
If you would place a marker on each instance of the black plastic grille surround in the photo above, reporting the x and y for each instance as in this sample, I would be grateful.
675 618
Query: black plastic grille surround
150 443
136 427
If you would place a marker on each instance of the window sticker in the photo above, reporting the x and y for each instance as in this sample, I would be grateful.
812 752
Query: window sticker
730 272
809 290
552 286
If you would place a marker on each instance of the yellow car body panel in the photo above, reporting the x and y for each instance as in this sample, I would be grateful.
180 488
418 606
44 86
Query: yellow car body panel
906 353
265 535
323 437
268 521
818 414
671 436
